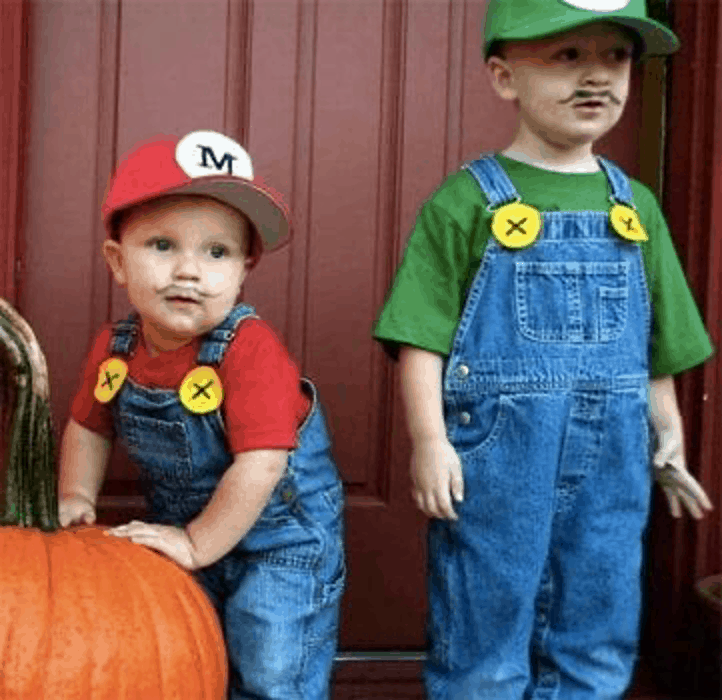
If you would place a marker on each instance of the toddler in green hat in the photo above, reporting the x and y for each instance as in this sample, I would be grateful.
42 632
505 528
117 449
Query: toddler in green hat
538 316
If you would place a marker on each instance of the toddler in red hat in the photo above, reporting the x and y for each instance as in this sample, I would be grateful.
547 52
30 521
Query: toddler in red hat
231 442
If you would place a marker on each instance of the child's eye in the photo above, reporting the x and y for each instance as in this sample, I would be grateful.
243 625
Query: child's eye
568 55
219 251
621 54
160 244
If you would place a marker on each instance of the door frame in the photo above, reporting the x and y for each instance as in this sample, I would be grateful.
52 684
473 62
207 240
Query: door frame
692 194
683 551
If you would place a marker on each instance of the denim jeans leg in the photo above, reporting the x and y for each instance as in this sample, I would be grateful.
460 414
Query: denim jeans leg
485 568
281 639
596 560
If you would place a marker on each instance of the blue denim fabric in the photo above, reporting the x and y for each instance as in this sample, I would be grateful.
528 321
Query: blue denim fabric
278 592
535 591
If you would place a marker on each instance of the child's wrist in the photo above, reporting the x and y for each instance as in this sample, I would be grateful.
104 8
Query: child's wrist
67 494
198 560
428 438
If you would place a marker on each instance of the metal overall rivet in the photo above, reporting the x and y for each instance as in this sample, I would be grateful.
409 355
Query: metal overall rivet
462 371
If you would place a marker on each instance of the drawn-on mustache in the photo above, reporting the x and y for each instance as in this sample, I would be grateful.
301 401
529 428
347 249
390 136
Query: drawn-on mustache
587 95
186 292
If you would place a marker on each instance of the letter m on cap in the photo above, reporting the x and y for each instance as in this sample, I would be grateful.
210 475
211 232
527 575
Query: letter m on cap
207 152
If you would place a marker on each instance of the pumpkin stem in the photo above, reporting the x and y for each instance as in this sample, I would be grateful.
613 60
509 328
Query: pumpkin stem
30 488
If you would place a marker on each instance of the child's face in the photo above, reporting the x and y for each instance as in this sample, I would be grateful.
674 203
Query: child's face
571 88
182 261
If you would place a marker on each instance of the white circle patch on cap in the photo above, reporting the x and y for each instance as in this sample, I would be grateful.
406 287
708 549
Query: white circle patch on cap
598 5
208 153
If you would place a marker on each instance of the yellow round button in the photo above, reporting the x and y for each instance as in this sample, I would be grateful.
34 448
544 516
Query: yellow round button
111 375
516 225
626 223
201 390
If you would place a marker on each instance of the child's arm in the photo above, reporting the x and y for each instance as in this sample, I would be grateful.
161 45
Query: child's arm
83 459
236 503
235 506
435 466
669 461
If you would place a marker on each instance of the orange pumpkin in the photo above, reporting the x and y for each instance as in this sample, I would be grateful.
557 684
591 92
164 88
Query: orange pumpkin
85 616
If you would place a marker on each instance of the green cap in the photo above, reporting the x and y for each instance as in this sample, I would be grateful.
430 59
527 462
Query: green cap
520 20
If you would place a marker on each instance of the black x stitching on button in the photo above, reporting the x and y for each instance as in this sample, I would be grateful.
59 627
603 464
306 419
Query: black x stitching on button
516 226
109 380
202 389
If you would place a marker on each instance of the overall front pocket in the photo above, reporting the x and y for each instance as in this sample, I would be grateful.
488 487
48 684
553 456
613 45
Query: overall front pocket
571 302
160 448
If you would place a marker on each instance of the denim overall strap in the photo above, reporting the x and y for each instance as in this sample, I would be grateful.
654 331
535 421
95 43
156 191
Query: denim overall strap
125 336
216 341
492 179
618 181
499 189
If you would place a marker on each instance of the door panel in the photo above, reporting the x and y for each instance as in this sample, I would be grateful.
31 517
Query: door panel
355 112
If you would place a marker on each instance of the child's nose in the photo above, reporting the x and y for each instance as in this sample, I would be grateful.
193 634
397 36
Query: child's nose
187 267
596 73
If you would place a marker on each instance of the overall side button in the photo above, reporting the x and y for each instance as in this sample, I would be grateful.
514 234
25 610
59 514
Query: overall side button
462 371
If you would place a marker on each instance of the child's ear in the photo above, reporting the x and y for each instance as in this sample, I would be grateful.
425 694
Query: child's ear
114 258
502 78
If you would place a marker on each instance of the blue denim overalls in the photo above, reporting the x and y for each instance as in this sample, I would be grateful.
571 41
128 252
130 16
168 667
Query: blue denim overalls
535 591
278 591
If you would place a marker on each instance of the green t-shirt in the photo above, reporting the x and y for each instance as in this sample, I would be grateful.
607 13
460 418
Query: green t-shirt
453 226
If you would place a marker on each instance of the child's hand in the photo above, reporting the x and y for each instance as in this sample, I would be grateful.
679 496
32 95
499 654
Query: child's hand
436 474
669 464
171 541
676 482
75 509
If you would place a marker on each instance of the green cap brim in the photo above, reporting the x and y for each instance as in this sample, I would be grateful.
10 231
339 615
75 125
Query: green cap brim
657 39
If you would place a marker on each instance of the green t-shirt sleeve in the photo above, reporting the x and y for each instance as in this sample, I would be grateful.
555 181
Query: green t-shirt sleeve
425 301
679 338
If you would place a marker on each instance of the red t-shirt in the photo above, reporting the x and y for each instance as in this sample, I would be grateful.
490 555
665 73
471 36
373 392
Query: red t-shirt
263 405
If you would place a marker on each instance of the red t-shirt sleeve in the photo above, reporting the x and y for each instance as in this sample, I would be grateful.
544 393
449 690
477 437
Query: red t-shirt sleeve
263 402
92 414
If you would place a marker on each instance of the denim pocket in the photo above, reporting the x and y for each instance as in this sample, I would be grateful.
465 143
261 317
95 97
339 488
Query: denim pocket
334 498
277 510
283 534
160 448
478 425
324 512
571 302
332 591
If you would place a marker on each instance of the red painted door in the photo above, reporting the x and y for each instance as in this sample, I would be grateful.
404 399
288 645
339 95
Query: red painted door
355 111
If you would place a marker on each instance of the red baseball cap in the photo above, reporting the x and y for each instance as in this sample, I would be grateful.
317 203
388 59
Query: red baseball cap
204 163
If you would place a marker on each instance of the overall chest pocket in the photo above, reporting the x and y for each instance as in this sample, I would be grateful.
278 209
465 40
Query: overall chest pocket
160 448
571 302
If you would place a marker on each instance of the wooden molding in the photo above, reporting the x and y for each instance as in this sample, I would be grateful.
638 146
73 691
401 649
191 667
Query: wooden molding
652 128
239 57
13 81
